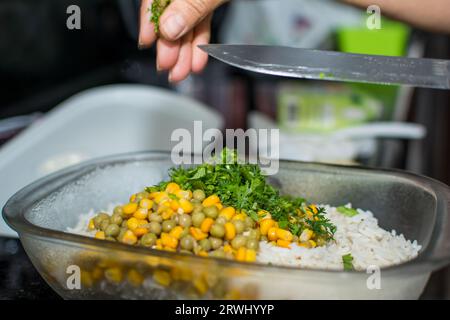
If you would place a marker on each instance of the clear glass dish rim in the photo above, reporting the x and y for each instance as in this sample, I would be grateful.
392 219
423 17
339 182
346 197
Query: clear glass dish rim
15 208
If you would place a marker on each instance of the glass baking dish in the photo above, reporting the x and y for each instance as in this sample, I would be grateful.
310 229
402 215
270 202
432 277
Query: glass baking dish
413 205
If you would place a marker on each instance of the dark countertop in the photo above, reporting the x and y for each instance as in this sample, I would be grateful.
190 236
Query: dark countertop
18 278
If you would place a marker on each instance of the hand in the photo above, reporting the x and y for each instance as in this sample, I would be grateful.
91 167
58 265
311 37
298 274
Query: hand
183 26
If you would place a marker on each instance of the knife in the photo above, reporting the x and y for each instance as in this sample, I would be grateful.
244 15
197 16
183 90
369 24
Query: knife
331 65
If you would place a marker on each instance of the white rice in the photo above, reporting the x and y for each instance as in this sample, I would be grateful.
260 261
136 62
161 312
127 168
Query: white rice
359 236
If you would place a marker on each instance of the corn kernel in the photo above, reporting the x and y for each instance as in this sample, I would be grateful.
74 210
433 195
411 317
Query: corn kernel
206 225
140 231
172 187
283 243
133 198
203 253
250 255
167 213
100 235
129 237
284 234
186 205
312 243
184 194
169 241
86 279
114 275
219 206
130 208
140 213
174 205
197 233
176 232
306 235
160 197
228 213
132 223
264 214
241 253
265 225
162 277
230 231
200 285
146 203
227 248
239 216
211 200
135 278
91 224
272 234
313 208
153 195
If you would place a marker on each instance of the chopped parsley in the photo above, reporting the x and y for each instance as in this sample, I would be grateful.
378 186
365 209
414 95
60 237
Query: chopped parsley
347 260
349 212
244 187
157 9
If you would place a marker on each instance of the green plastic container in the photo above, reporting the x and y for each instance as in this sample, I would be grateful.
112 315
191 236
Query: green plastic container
391 40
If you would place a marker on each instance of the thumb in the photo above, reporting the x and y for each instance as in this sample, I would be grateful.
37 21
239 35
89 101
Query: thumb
182 16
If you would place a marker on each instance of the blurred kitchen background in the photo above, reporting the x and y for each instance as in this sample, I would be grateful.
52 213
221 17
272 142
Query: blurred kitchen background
42 64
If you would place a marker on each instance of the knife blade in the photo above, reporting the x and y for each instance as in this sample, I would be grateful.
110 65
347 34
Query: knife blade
331 65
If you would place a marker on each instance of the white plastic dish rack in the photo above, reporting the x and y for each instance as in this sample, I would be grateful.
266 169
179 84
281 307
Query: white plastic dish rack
97 122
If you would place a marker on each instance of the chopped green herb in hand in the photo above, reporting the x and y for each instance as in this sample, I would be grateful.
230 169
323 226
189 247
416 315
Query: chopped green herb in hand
158 7
347 260
244 187
349 212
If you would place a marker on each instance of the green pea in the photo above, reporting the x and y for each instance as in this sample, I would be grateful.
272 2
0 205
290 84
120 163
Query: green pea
112 230
118 210
148 240
116 219
199 195
168 225
185 251
239 241
249 222
221 220
252 244
217 230
217 254
187 242
99 218
196 202
263 238
110 239
155 217
254 234
211 212
104 224
197 208
140 196
239 225
123 224
121 233
197 219
216 243
185 221
205 244
154 227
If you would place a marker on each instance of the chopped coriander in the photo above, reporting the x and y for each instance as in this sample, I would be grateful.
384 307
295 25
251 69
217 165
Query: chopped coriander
347 260
244 187
157 9
349 212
